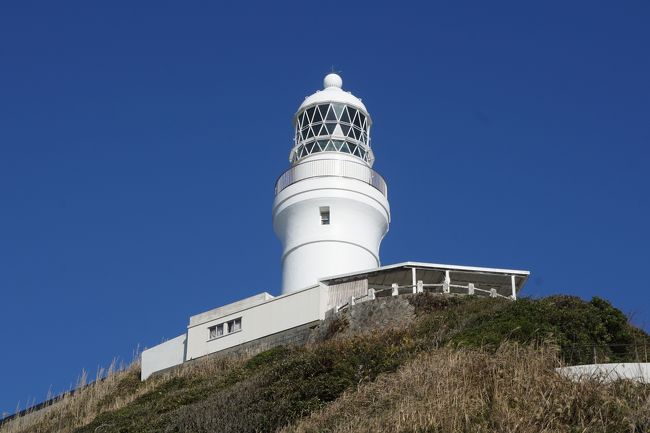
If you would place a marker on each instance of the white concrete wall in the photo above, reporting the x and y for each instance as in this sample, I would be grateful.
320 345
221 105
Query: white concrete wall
275 315
638 371
165 355
224 310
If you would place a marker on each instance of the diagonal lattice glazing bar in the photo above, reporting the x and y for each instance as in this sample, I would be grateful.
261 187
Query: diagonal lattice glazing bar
332 127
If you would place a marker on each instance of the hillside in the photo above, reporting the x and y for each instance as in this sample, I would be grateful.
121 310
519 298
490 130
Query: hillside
461 364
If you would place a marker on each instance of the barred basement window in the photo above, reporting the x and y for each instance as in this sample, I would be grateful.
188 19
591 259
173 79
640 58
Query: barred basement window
325 215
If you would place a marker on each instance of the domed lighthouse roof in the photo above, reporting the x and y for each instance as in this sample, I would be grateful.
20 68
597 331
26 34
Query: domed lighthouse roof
333 92
332 120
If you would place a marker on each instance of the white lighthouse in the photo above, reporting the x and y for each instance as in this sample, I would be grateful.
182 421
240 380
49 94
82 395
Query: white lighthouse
331 213
331 208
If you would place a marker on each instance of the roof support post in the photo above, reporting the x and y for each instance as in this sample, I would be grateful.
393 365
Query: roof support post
514 288
445 285
414 279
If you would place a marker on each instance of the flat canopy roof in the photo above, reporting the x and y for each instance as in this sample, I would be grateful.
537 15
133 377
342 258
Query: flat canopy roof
433 273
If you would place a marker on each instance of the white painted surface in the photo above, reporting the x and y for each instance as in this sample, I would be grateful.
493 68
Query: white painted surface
442 266
340 294
331 164
333 92
359 219
165 355
637 371
332 80
230 308
257 321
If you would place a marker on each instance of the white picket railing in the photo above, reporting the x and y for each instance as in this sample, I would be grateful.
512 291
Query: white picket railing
420 287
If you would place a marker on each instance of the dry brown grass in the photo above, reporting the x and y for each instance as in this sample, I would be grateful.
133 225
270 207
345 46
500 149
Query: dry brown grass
116 390
513 390
396 381
75 409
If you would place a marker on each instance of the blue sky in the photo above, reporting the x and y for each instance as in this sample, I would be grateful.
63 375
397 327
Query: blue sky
139 146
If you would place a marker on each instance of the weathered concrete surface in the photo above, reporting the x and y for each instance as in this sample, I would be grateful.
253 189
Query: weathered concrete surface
636 371
367 318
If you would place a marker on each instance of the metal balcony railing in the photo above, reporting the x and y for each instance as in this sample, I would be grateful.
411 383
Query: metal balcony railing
331 167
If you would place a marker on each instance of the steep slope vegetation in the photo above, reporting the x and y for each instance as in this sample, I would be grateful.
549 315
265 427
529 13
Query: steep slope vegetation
512 389
464 364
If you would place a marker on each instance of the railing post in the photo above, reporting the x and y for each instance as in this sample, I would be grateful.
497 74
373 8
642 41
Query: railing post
445 285
514 288
414 279
395 289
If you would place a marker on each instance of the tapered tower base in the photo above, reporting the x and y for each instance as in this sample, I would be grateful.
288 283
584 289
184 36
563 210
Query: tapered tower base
347 241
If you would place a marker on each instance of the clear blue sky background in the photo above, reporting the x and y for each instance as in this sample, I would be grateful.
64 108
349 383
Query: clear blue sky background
139 146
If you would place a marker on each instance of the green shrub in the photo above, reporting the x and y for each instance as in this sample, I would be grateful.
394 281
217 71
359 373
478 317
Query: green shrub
586 332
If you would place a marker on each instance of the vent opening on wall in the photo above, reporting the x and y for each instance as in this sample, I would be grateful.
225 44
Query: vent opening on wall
325 215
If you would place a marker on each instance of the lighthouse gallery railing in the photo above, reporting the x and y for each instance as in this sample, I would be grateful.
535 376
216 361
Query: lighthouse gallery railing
331 167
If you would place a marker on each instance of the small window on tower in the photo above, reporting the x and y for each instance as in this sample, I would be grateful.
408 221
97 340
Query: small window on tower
325 215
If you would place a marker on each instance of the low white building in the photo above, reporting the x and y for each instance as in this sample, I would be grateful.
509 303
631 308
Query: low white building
234 324
264 316
331 213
